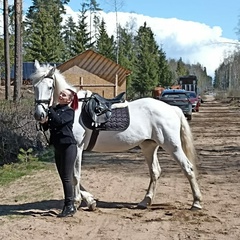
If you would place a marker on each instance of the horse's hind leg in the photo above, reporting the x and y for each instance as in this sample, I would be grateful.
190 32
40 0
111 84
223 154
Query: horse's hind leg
149 149
188 170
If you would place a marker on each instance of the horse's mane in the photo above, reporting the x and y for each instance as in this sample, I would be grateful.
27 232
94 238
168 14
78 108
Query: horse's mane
40 73
43 71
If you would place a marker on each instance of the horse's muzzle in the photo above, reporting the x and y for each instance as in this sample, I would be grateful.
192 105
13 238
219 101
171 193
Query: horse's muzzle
40 113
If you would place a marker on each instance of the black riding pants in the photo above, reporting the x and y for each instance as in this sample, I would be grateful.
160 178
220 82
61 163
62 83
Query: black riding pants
65 155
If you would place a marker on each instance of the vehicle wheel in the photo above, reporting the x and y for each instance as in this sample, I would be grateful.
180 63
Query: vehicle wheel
189 117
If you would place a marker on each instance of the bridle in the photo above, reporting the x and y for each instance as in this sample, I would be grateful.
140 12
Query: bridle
44 101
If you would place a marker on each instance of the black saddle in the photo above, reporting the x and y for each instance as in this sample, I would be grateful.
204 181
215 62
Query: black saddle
99 108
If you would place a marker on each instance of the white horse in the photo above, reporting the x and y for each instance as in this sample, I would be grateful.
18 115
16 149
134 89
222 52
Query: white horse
152 124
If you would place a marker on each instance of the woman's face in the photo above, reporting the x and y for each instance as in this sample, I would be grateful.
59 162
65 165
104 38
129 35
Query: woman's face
65 97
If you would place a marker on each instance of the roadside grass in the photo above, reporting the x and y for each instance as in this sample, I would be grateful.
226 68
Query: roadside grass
27 163
14 171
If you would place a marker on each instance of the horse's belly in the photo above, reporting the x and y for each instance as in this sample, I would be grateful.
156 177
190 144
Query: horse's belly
116 142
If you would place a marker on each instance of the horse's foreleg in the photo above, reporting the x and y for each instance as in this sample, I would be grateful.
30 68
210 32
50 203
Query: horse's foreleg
88 199
149 149
77 176
80 192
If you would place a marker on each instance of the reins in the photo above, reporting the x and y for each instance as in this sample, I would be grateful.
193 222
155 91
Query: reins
40 128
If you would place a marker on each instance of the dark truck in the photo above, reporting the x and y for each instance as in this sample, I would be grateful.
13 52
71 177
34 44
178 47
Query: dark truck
189 83
179 98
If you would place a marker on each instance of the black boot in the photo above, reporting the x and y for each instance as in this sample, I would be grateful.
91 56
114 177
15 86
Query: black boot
68 211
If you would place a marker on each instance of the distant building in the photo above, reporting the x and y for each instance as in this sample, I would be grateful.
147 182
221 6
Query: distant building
92 71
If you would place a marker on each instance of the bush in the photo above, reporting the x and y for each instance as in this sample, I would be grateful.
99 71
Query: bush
17 129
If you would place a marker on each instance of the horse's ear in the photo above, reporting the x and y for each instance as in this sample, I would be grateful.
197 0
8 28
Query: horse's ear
36 64
51 72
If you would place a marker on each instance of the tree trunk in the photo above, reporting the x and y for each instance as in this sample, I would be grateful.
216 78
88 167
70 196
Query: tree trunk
6 51
18 50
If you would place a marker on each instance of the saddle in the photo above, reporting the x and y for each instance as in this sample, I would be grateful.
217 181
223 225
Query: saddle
99 109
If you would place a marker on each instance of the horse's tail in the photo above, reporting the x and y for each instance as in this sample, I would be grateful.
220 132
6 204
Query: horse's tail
187 139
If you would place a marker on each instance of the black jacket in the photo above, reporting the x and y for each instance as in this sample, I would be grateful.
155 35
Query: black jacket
60 124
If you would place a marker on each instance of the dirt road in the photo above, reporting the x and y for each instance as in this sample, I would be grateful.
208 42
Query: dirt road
119 182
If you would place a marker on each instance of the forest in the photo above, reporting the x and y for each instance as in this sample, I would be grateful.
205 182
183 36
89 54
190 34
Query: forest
40 33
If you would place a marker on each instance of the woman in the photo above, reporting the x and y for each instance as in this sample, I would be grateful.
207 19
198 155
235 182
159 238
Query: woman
60 123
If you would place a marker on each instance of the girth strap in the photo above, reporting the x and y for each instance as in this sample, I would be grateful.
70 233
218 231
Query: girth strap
93 140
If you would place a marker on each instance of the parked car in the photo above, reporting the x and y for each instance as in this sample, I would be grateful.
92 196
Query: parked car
179 98
194 100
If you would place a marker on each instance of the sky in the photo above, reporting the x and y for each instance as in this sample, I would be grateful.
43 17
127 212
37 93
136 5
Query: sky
224 14
198 31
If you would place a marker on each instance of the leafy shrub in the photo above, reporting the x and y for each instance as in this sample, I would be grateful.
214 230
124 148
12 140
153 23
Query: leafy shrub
17 130
26 155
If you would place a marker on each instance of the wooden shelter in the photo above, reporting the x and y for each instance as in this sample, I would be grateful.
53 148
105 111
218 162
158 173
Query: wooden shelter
92 71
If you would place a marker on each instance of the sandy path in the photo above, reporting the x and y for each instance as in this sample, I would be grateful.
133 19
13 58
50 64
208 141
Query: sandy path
119 182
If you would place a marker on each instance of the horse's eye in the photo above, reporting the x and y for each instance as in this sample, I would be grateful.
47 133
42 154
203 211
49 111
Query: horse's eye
50 88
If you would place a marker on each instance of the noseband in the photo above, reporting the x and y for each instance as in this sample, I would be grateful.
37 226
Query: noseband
45 101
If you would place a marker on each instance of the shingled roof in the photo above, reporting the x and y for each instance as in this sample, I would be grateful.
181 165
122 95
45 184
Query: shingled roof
97 64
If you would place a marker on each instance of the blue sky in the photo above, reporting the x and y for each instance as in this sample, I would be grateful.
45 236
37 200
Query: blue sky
222 13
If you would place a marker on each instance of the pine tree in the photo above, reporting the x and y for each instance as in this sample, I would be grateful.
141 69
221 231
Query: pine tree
105 44
18 51
69 36
43 37
5 51
181 68
94 8
165 75
82 37
127 55
146 65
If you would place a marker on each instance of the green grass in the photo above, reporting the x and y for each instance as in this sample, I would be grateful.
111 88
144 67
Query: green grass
12 172
28 162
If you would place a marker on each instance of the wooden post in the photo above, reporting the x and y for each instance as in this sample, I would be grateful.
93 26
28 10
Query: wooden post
116 86
81 83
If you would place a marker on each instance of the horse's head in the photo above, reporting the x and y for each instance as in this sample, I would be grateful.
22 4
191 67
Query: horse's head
48 82
44 84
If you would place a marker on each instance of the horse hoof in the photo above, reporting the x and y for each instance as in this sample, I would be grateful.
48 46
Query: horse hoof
196 207
141 206
147 201
92 206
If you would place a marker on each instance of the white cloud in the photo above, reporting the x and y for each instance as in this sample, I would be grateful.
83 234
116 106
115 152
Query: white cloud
194 42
